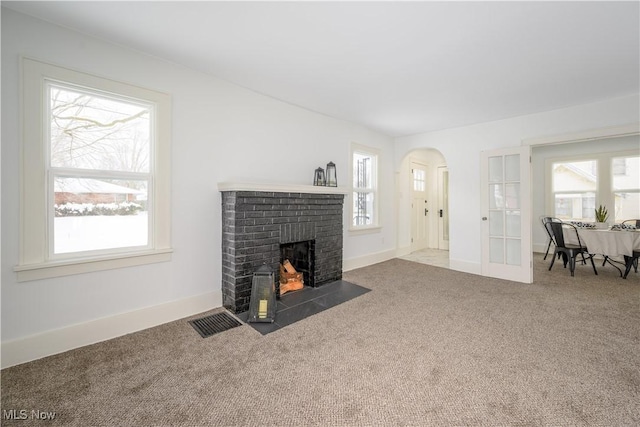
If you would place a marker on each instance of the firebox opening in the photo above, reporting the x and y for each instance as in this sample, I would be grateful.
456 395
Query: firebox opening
302 256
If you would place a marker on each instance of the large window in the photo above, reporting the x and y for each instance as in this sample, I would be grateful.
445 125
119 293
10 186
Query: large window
579 186
364 197
95 174
99 170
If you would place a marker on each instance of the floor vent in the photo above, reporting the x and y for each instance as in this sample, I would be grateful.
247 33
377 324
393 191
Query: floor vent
211 325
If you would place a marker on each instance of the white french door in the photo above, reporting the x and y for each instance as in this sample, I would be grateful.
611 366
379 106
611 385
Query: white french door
506 214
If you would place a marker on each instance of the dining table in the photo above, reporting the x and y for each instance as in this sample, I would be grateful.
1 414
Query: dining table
611 243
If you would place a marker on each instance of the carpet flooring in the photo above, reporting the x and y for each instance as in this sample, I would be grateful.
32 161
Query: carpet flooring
427 346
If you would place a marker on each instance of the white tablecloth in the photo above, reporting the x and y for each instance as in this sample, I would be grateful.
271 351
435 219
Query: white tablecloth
607 242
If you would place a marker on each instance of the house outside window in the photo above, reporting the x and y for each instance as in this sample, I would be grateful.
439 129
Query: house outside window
364 205
95 173
619 166
579 186
100 171
574 190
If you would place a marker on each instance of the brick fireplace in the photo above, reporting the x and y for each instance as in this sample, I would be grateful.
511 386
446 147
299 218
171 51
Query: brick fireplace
259 225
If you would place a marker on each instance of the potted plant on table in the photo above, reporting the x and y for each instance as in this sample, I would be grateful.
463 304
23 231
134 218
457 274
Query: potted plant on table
601 217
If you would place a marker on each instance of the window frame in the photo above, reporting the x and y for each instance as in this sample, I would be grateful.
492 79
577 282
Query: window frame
419 180
613 175
604 193
573 159
35 260
373 189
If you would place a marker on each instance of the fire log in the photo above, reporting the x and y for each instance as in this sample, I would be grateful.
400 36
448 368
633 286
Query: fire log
292 285
288 267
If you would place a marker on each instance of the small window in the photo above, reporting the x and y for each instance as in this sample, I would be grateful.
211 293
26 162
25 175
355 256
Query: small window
364 203
95 174
419 180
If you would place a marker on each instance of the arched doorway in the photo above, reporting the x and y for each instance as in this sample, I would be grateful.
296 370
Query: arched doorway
423 210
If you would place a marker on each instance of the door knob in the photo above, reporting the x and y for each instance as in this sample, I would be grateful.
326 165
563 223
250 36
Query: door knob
484 218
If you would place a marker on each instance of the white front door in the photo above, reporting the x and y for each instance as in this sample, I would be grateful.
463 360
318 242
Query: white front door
506 214
420 208
443 208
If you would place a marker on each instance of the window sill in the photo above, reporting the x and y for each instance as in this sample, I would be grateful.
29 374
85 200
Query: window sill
47 270
365 230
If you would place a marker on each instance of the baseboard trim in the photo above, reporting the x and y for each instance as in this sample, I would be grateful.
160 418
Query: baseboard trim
48 343
353 263
541 248
465 266
403 251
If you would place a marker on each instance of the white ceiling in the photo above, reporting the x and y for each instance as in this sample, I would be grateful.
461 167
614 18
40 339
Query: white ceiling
396 67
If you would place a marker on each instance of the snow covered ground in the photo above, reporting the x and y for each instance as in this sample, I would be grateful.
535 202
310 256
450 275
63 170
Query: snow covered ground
88 233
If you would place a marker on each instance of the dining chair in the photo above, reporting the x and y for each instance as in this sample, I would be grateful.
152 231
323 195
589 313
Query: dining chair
569 251
636 254
631 262
546 220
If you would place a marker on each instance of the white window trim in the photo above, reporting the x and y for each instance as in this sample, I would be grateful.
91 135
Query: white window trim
375 227
34 262
604 188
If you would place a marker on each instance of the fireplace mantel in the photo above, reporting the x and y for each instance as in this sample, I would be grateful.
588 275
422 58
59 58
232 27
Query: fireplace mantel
280 188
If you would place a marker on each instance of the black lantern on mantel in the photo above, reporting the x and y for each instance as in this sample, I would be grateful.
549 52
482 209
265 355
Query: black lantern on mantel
332 180
262 306
318 178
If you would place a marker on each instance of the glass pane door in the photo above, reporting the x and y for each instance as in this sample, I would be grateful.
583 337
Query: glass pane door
504 209
506 214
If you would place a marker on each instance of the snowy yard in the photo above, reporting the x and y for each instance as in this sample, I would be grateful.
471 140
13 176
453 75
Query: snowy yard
87 233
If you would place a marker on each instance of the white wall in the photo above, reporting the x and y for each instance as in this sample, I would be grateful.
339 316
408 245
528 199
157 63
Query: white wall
461 148
220 133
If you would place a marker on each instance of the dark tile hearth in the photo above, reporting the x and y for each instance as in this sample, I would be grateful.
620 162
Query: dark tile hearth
295 306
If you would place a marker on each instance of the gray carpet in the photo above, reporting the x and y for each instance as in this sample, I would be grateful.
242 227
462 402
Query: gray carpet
427 346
